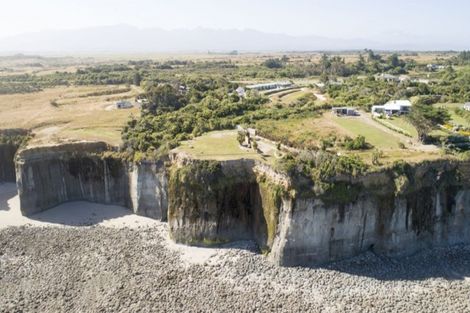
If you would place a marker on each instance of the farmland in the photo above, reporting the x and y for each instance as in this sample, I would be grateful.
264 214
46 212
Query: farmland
61 113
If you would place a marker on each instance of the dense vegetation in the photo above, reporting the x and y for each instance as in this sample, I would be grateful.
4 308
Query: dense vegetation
178 71
173 115
184 98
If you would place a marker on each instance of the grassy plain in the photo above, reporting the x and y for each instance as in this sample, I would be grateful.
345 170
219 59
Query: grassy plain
61 113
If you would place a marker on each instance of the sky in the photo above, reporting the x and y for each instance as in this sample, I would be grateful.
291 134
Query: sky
347 19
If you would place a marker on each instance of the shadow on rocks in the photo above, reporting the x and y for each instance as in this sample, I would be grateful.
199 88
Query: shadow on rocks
7 191
450 263
81 213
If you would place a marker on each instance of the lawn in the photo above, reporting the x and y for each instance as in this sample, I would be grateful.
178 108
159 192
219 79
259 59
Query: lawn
218 145
375 136
403 124
291 98
298 132
456 118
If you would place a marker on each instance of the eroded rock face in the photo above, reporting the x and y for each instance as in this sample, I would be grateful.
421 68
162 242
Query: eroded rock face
393 212
9 143
7 163
434 209
215 202
49 176
148 189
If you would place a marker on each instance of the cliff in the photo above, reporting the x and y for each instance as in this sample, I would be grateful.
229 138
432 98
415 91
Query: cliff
10 141
7 163
148 189
393 211
50 175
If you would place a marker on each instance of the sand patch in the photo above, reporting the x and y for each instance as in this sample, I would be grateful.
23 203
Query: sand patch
68 214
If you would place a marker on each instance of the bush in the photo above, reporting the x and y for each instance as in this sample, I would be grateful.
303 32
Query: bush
241 136
273 63
376 156
358 143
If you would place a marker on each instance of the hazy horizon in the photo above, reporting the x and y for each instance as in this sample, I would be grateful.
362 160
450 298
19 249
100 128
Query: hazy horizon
401 25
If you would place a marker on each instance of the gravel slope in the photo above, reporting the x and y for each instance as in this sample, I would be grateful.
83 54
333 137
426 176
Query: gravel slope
99 269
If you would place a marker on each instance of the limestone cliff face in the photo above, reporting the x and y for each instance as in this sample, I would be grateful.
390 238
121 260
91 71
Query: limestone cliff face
148 189
7 164
393 211
214 202
389 213
10 140
50 175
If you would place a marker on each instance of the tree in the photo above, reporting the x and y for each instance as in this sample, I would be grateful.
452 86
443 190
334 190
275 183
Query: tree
161 98
137 79
393 60
372 56
273 63
425 118
361 63
325 63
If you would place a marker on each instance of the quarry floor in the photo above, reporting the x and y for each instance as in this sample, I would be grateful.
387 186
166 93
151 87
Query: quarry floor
83 257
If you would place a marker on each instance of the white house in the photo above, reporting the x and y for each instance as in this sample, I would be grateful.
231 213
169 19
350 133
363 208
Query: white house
403 78
388 77
241 92
123 105
394 107
270 86
466 106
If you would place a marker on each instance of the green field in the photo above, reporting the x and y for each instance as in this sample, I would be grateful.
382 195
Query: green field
218 145
403 124
455 118
375 136
291 98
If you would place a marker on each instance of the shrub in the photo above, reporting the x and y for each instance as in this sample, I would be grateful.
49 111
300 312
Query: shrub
358 143
241 137
376 156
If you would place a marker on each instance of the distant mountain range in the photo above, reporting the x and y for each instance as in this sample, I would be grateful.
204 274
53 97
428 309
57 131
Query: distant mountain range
128 39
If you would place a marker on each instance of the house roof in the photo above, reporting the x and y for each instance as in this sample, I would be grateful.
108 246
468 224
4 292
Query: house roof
285 83
387 76
394 105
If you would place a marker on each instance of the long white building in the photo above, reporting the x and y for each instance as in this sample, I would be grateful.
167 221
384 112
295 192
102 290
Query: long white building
270 86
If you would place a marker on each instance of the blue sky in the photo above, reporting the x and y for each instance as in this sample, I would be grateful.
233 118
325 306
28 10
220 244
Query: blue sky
330 18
